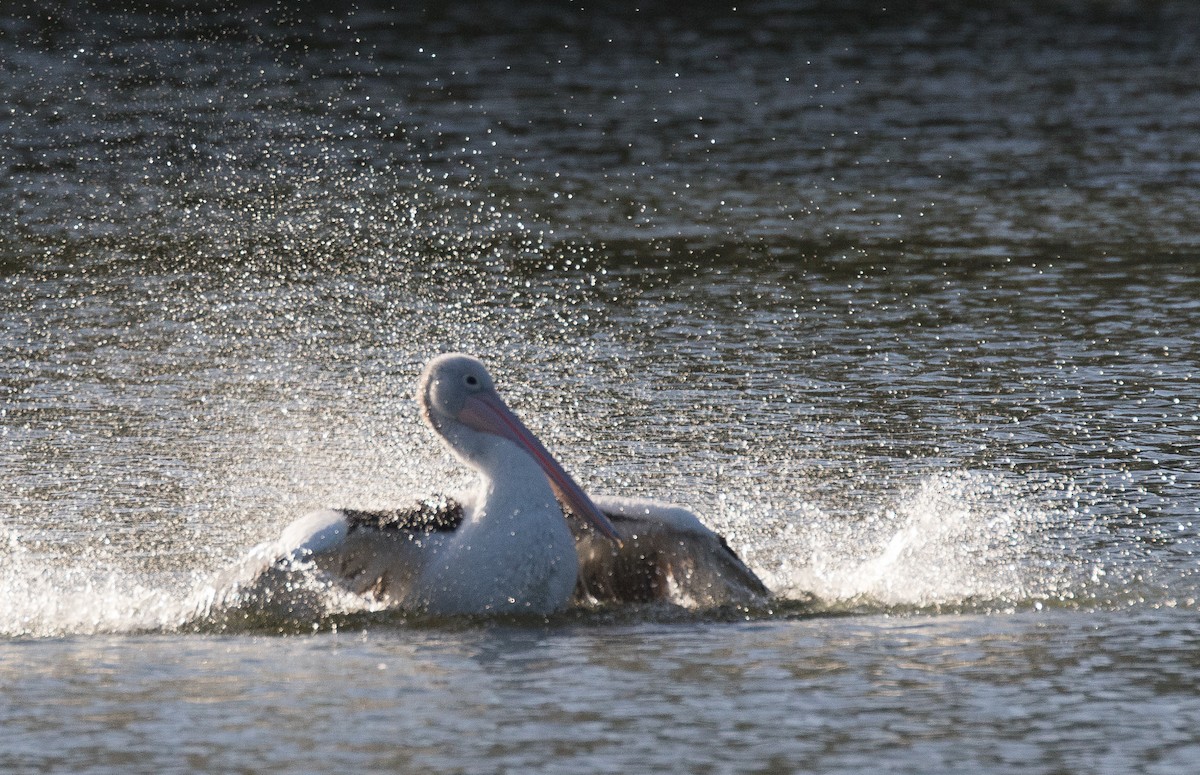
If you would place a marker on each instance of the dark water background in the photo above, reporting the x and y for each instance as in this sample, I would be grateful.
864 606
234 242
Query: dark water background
904 300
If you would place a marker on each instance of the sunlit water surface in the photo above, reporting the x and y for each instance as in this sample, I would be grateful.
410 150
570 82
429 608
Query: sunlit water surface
905 303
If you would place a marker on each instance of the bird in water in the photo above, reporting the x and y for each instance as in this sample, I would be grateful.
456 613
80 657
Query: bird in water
527 539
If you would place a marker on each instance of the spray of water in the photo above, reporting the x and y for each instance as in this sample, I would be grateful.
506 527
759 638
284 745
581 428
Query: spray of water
954 539
47 598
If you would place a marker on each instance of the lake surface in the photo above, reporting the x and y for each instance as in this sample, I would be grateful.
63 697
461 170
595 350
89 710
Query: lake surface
904 301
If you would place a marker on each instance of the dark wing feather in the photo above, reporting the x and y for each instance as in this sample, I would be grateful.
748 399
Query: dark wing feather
660 561
441 515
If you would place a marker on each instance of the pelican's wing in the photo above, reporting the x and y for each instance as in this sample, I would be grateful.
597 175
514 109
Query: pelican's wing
383 551
377 554
667 554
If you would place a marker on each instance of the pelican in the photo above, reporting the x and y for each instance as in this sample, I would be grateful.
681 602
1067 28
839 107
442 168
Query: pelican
527 539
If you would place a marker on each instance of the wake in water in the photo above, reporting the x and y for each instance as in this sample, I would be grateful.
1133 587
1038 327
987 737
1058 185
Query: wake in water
957 541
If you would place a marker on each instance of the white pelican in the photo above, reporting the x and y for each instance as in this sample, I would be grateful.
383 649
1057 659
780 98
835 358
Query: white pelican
528 539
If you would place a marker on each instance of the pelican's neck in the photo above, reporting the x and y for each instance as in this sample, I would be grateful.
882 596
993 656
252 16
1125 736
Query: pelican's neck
512 484
496 459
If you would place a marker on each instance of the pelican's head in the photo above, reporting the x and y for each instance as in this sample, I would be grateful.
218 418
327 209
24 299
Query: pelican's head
459 400
446 384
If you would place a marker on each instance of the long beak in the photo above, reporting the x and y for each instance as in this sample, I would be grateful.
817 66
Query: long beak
486 412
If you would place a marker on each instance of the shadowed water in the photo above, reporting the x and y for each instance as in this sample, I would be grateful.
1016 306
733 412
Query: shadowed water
903 302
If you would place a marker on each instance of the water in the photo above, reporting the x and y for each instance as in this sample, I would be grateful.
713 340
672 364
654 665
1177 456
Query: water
902 301
824 695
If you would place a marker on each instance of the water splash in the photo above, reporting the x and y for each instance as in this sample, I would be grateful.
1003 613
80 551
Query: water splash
47 597
44 597
955 539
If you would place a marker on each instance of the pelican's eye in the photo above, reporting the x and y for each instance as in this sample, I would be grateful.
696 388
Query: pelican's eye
471 381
